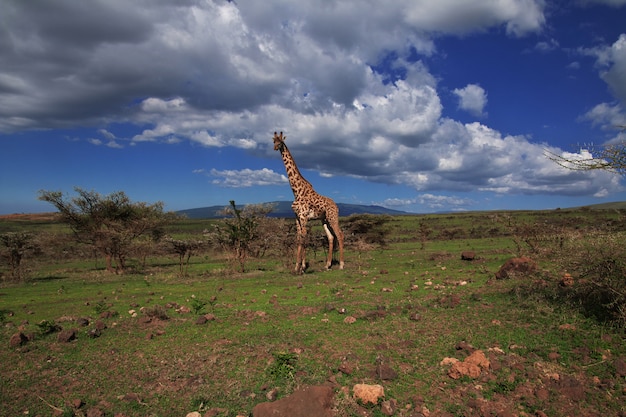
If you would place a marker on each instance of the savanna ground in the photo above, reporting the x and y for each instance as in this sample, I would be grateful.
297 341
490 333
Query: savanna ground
390 318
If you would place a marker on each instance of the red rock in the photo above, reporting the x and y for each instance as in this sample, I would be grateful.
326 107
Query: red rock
468 255
523 266
368 393
66 336
17 340
310 401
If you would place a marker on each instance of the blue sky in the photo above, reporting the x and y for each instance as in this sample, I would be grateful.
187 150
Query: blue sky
420 105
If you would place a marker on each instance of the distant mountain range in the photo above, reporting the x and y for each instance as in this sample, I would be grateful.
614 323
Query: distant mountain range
283 209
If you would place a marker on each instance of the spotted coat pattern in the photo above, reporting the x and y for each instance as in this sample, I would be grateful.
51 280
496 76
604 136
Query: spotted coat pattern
309 205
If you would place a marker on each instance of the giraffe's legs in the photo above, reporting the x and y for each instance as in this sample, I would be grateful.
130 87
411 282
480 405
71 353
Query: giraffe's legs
301 240
333 231
339 234
331 245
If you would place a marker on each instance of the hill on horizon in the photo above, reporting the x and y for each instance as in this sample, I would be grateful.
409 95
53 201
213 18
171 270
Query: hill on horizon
283 209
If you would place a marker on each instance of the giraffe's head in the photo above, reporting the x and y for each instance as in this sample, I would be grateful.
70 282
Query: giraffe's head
279 141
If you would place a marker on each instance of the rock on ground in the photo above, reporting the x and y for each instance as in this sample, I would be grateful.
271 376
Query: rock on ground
472 366
66 336
468 255
309 401
368 393
18 339
516 265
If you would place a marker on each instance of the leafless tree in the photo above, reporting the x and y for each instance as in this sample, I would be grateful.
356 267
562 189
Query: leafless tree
610 158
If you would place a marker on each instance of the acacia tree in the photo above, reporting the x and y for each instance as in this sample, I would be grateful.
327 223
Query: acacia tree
610 158
108 223
239 231
15 246
184 249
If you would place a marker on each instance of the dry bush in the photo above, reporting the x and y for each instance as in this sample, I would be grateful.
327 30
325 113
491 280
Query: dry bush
597 261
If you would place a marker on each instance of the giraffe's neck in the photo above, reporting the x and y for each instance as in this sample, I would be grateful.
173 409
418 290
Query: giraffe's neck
299 185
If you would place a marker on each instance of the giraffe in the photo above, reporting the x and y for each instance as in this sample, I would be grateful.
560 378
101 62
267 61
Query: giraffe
309 205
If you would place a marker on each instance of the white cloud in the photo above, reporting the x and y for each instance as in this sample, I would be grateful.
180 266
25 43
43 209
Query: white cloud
247 178
216 56
228 74
438 202
519 17
611 61
547 46
106 134
611 116
615 75
472 98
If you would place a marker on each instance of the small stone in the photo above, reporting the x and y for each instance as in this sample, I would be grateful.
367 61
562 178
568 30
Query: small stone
349 320
566 280
415 317
194 414
346 369
132 397
468 255
18 339
368 393
93 333
95 412
386 373
542 394
389 407
214 412
272 394
66 336
448 361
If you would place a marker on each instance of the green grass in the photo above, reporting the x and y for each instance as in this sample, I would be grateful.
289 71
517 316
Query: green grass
273 329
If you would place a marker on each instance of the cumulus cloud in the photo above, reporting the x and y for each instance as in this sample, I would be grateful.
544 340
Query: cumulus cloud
519 17
213 56
430 202
611 61
610 116
247 178
228 74
472 98
615 75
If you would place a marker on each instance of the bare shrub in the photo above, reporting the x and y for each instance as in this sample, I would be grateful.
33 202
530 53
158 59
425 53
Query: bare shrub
15 246
185 249
597 262
239 233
